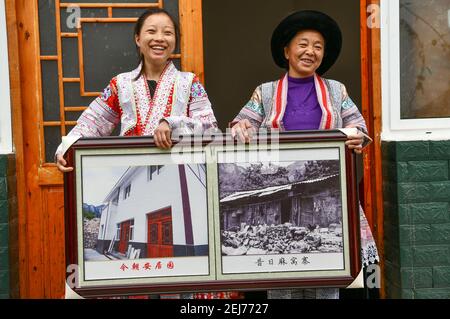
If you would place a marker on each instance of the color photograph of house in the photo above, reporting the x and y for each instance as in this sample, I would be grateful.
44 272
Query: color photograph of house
152 211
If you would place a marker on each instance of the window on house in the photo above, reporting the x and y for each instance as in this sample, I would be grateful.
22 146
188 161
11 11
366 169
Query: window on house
115 200
118 232
167 233
131 230
127 192
154 234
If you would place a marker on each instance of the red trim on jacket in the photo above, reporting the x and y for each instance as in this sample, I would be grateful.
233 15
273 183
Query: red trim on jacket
325 102
278 104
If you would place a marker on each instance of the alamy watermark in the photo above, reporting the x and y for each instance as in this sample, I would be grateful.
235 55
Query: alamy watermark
73 19
373 279
262 147
73 276
374 18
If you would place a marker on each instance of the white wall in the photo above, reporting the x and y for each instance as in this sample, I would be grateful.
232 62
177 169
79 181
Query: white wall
149 196
110 227
5 102
197 199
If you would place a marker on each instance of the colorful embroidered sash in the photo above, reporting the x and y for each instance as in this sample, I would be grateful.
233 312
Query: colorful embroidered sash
280 99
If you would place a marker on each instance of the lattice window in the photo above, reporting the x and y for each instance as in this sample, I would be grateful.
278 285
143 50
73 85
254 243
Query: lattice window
167 233
79 59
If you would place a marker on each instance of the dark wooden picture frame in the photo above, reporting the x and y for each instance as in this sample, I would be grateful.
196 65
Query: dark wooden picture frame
231 227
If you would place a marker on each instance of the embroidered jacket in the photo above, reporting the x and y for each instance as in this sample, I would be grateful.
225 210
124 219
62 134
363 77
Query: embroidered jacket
179 98
268 103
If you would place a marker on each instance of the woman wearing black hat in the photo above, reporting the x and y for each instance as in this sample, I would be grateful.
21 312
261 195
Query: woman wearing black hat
307 44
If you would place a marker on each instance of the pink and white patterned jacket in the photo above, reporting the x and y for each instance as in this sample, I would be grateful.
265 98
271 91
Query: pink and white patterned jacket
179 98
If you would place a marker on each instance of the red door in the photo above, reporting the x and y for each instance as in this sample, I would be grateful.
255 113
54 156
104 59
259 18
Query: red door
124 236
160 234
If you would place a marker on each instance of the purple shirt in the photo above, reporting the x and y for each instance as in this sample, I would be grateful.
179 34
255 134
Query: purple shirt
303 111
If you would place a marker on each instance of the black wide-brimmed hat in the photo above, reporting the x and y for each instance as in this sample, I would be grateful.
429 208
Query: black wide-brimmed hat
307 20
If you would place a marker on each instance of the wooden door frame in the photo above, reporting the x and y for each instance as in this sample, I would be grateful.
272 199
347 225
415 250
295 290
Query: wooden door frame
191 29
371 110
20 40
127 233
34 278
18 223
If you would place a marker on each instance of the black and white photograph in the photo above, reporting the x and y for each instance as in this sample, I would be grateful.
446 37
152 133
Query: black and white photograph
281 209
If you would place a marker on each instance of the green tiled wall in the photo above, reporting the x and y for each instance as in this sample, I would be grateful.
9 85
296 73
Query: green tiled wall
417 219
7 205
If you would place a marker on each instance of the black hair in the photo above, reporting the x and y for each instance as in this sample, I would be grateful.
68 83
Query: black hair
140 23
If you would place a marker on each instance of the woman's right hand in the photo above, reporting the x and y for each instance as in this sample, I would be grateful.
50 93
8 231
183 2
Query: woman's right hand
243 130
61 164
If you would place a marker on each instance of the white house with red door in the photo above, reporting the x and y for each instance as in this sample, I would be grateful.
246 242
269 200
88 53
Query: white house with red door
156 211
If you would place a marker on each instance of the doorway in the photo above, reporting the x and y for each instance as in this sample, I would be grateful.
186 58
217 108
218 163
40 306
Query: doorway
160 234
237 50
286 211
124 236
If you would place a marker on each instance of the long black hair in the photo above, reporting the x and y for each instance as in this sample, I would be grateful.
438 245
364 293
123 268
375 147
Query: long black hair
140 23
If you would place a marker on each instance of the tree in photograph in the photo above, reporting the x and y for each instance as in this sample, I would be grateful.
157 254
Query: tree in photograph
318 169
280 177
253 178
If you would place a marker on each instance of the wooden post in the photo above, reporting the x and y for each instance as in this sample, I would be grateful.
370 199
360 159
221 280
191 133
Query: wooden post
371 110
192 37
18 223
30 240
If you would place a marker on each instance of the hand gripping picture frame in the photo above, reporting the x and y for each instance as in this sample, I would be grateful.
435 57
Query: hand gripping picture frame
211 214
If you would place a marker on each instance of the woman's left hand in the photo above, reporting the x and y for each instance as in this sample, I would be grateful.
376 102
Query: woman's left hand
162 135
355 142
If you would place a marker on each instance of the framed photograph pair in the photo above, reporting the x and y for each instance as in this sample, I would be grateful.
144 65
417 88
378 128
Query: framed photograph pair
211 214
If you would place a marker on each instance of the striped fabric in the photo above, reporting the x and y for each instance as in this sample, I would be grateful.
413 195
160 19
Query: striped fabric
268 103
180 99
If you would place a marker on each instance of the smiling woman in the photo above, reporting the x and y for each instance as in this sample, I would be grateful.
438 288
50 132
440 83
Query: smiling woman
307 43
154 99
305 53
156 36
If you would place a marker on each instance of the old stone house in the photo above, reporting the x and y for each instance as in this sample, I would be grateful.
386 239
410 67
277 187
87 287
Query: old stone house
305 203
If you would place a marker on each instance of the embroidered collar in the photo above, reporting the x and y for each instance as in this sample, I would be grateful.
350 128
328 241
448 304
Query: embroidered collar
280 101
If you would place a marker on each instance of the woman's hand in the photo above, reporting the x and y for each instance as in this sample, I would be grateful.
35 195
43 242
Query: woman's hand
61 164
355 142
162 135
244 131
